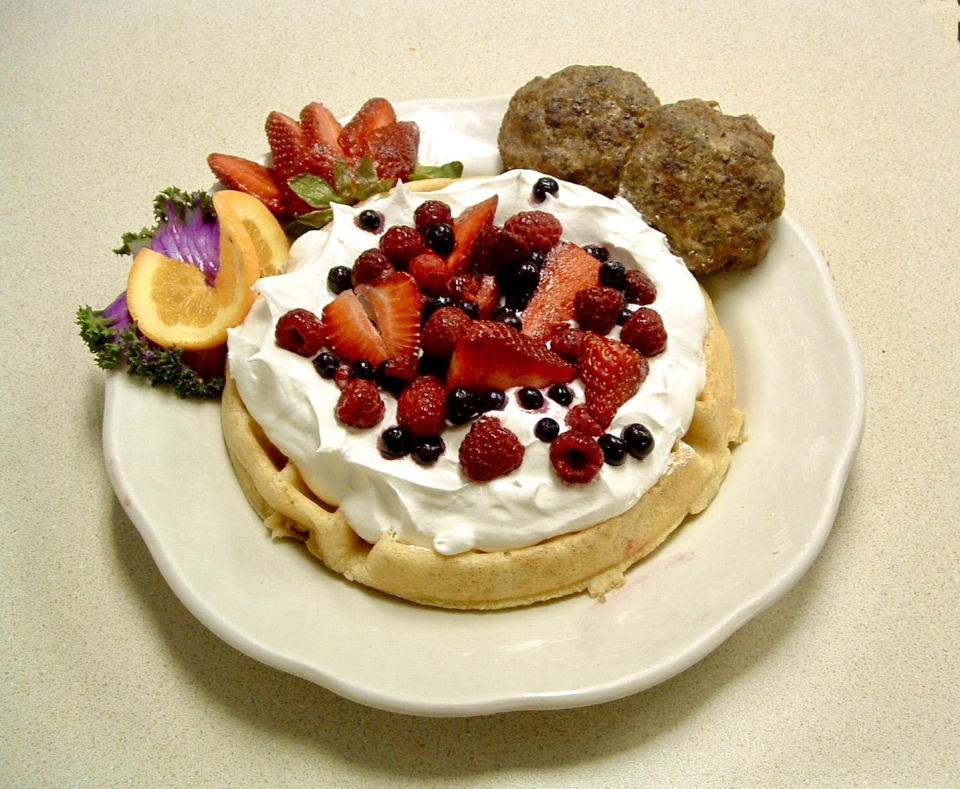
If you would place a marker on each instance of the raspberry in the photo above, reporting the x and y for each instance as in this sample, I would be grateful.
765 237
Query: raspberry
489 450
644 332
539 230
441 331
421 406
638 288
567 344
581 419
300 332
596 309
576 457
430 272
360 404
368 266
430 213
496 250
402 244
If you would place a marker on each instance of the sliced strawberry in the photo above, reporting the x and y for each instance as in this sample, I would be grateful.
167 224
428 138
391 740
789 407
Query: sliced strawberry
611 373
320 127
350 333
488 297
396 302
320 130
290 157
246 176
568 269
374 114
491 355
466 229
394 148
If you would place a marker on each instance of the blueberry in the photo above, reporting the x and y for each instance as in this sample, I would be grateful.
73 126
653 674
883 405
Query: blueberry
638 439
370 220
547 429
338 279
431 365
543 187
395 442
362 369
530 398
389 383
624 315
470 308
427 450
433 304
560 393
599 252
515 303
508 317
440 238
519 279
326 364
491 400
614 449
538 259
613 274
461 406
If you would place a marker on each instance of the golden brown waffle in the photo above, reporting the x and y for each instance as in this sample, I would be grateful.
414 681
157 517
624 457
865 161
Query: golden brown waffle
594 559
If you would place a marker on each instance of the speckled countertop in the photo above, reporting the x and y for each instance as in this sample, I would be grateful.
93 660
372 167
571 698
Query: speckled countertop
851 679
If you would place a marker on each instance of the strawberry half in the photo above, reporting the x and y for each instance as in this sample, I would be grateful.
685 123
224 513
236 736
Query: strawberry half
567 270
394 148
350 333
490 355
320 128
611 373
396 302
290 157
374 114
250 177
466 230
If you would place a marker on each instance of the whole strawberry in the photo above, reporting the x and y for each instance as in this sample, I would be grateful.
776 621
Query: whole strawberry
360 404
611 373
489 450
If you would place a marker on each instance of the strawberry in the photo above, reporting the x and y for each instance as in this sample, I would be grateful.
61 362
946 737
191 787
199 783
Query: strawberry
491 355
290 157
321 130
611 373
421 406
568 269
489 450
394 148
374 114
487 298
350 334
360 404
250 177
466 228
396 304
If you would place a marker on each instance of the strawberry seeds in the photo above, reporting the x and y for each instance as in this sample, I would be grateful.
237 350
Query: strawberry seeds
449 314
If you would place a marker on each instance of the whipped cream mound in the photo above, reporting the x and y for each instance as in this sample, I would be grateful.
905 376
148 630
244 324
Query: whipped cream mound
438 507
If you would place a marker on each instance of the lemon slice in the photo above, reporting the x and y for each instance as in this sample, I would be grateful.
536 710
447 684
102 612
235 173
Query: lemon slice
171 301
269 240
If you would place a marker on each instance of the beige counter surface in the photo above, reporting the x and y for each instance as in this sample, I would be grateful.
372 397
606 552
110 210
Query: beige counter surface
851 679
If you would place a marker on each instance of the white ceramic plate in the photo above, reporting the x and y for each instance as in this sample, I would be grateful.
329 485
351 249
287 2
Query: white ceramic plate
801 385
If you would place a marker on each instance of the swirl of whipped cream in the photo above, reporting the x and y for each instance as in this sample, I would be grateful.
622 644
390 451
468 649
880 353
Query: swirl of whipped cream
438 507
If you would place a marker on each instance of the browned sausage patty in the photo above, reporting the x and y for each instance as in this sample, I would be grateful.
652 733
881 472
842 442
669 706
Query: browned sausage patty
577 124
707 181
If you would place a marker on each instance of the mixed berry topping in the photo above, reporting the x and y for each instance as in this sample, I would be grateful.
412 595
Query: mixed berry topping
450 313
